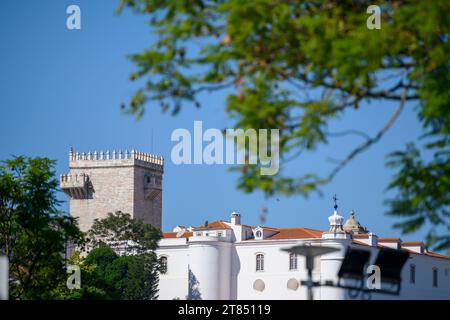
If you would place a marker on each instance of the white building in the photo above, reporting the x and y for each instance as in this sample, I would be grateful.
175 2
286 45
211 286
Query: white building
230 260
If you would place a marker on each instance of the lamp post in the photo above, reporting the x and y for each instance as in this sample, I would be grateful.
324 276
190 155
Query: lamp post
310 252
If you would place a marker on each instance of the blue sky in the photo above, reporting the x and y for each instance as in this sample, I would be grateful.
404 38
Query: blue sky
60 87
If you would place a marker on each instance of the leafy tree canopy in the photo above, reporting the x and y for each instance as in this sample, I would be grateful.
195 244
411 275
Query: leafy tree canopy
120 229
297 65
134 273
93 285
33 232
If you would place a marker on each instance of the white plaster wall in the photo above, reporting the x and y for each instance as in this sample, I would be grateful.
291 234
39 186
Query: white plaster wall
276 271
174 284
228 271
204 264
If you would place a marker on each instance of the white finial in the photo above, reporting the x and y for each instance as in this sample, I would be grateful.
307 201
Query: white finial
336 220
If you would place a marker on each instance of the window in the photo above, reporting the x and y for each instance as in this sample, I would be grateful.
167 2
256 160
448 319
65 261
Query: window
219 234
258 234
412 273
163 265
292 261
259 262
435 277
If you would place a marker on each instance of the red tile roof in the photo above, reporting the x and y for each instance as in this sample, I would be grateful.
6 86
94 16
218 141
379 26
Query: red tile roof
436 255
412 243
214 225
169 235
304 233
361 235
295 233
388 239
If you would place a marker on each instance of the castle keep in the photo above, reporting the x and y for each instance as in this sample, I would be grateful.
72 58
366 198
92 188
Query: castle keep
102 182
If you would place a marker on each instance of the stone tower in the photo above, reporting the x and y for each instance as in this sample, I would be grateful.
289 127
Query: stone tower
102 182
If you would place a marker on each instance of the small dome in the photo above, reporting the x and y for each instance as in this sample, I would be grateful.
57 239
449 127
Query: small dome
352 225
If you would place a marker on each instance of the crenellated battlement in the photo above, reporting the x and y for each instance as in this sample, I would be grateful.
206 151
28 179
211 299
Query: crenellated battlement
108 181
115 155
74 179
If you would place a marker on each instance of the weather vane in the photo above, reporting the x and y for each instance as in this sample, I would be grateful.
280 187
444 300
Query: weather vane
335 202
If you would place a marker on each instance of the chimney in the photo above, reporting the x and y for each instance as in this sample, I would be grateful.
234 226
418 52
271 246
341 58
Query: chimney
373 239
393 243
235 218
416 246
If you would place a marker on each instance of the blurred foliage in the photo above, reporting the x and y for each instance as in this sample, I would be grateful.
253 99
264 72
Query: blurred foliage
134 274
131 235
33 233
105 275
92 285
296 65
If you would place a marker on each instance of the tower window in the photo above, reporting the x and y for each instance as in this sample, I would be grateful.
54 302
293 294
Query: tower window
259 262
258 234
412 273
163 265
435 277
292 261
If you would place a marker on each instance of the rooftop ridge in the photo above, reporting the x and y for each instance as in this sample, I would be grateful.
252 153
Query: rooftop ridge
115 155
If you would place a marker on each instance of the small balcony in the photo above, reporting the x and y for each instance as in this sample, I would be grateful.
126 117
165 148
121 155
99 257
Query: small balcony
75 185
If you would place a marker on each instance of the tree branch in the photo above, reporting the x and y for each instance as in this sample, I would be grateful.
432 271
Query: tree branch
373 140
349 132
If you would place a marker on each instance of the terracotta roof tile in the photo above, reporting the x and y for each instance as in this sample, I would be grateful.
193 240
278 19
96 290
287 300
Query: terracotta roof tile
388 239
170 235
295 233
360 235
214 225
436 255
412 243
269 228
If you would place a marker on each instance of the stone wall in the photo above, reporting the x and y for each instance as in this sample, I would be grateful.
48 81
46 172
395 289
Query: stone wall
116 181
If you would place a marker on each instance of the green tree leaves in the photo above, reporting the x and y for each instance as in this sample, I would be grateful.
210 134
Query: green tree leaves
33 232
297 65
134 273
130 234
